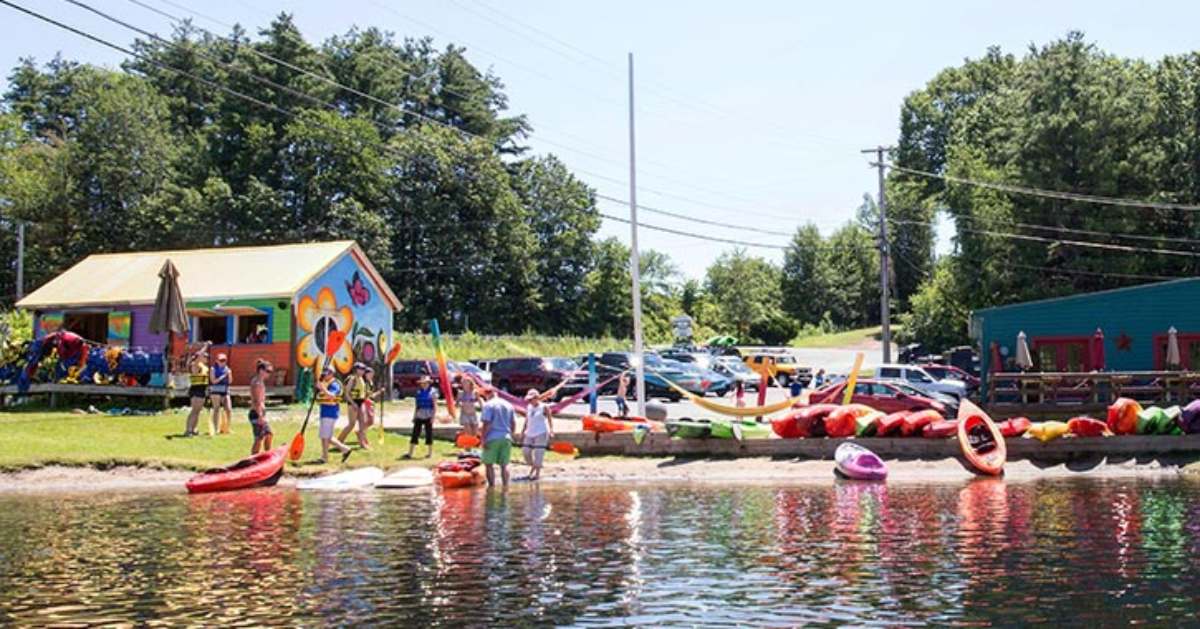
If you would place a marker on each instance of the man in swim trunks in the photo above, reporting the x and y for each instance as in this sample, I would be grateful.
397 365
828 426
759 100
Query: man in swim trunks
498 422
329 396
258 408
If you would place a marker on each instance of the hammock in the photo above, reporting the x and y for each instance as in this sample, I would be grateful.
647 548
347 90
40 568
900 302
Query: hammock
521 405
734 411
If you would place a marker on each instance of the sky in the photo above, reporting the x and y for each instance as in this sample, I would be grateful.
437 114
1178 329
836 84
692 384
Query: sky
751 113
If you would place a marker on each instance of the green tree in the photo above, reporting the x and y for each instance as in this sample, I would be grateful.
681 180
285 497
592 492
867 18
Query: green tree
745 289
803 279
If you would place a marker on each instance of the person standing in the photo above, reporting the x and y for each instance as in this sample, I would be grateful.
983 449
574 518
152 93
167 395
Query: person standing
426 399
197 365
498 420
329 397
258 408
357 392
219 378
468 404
368 406
536 433
622 392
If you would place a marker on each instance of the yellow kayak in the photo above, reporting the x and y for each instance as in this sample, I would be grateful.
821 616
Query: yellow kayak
1048 431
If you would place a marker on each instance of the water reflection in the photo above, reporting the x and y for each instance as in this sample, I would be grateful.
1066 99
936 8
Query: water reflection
984 552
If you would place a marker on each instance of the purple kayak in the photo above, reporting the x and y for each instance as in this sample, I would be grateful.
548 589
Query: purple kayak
859 463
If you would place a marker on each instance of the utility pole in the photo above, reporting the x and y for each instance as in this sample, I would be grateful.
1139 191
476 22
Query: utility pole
884 256
20 259
635 260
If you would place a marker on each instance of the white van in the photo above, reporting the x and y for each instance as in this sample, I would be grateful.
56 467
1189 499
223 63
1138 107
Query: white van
920 379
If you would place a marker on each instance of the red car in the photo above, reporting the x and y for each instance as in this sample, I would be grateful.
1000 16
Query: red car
887 397
406 374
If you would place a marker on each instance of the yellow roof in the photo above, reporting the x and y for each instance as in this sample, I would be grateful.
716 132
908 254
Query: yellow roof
204 274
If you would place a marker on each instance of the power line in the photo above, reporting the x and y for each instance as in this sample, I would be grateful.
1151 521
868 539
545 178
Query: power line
1073 243
668 230
1050 194
694 219
1084 232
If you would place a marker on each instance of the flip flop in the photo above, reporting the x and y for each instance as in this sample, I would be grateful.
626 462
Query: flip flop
346 455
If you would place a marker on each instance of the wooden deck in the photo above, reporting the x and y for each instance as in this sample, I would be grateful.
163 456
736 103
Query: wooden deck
55 390
1061 394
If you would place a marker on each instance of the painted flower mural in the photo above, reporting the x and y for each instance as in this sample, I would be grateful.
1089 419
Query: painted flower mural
317 318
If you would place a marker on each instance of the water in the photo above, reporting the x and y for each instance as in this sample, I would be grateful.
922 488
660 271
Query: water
1082 551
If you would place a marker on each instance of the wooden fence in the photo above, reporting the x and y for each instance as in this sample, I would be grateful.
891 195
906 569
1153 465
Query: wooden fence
1049 393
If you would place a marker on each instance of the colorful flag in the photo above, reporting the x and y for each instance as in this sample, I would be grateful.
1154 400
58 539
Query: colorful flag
443 373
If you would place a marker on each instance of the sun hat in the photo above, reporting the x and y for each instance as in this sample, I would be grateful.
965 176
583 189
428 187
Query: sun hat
531 395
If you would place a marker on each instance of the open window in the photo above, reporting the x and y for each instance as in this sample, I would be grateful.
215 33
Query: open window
92 326
212 329
253 328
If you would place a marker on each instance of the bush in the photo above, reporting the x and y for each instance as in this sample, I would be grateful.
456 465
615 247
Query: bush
937 316
775 329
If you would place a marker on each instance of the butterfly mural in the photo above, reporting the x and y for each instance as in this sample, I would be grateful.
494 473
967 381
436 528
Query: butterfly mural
358 291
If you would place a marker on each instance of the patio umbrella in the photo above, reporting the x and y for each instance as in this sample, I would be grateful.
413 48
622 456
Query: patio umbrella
170 313
1172 348
1024 362
1098 350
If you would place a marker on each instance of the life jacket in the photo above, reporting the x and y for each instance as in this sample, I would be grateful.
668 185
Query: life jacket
199 375
425 398
358 388
334 394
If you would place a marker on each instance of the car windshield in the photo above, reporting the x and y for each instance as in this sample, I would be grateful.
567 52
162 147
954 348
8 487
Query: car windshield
470 368
907 390
561 364
655 361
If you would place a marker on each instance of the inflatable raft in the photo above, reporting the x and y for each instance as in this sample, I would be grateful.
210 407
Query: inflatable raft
261 470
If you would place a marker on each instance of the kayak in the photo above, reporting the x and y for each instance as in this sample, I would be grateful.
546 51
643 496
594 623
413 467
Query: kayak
789 427
940 429
843 420
889 425
1189 418
750 429
406 478
464 472
865 425
917 421
858 463
689 428
1014 427
980 440
1087 427
261 470
604 423
810 420
1123 416
343 481
1159 421
1048 431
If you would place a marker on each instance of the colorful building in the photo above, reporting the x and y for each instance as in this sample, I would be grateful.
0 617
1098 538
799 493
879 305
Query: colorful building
1115 330
274 302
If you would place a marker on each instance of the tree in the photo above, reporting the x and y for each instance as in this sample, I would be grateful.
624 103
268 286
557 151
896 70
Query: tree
745 289
803 279
938 314
852 286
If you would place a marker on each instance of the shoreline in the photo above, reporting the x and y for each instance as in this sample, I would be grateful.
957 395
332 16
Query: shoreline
91 479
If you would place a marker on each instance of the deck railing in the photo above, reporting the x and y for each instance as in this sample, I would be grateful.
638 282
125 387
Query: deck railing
1049 390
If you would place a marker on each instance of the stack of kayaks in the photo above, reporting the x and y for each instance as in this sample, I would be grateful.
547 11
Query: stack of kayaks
808 421
687 428
749 429
261 470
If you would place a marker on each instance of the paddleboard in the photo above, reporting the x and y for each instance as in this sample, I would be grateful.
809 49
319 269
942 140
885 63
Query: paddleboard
343 481
406 478
980 440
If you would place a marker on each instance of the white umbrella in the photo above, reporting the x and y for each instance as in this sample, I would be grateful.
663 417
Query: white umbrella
1023 360
1172 348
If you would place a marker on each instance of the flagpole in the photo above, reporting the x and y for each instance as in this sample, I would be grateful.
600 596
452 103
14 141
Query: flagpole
634 259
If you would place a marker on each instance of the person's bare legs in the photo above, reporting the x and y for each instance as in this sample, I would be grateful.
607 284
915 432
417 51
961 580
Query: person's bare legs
194 415
218 406
268 440
363 422
351 420
490 472
228 403
504 474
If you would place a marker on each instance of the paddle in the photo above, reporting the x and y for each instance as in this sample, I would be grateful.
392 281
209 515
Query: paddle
561 447
465 441
333 342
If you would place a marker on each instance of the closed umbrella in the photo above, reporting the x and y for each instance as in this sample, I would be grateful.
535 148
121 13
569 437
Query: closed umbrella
1172 348
1024 362
170 313
1098 350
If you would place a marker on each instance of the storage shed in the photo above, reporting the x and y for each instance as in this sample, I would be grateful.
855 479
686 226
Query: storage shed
1125 329
273 302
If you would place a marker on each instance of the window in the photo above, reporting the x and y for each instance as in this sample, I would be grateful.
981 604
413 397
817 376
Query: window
1047 358
862 388
92 326
253 329
889 372
916 376
881 390
212 329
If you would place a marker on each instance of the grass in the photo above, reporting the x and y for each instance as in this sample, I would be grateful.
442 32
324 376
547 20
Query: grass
32 439
847 339
470 346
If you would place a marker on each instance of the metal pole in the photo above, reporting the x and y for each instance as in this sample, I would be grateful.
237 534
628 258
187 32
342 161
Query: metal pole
20 260
634 259
884 258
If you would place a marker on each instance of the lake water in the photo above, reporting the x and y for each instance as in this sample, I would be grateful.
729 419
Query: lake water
1082 551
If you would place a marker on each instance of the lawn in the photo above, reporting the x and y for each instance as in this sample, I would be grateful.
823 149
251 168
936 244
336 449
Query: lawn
850 339
31 439
472 346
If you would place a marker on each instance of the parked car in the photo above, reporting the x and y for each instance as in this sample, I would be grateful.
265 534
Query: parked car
407 373
733 368
485 364
480 374
518 375
780 366
884 396
942 372
709 381
609 363
919 379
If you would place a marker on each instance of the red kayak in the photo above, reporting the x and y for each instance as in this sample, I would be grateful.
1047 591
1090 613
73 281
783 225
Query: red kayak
1087 427
940 429
802 422
260 470
890 425
917 421
1014 427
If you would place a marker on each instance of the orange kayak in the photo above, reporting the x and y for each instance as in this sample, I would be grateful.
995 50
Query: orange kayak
891 424
1087 427
939 429
465 472
916 422
1123 416
604 423
980 440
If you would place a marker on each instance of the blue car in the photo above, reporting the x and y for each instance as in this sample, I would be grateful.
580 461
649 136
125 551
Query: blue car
710 381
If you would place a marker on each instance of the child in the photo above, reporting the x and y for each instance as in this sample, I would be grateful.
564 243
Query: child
423 417
258 408
468 403
329 394
622 391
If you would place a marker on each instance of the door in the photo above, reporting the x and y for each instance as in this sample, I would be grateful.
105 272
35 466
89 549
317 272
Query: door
1063 354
